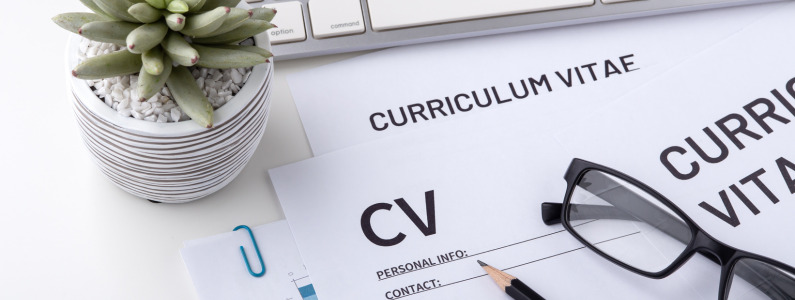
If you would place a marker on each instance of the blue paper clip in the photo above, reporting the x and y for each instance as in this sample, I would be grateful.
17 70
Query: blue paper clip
245 257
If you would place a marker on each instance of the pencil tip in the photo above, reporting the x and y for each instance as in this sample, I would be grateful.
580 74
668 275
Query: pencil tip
482 264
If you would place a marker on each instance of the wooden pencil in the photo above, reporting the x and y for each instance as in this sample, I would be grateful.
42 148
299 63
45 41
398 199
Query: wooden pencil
511 285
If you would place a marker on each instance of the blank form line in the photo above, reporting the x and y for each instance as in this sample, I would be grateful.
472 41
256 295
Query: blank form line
535 238
487 251
527 263
615 238
540 259
404 296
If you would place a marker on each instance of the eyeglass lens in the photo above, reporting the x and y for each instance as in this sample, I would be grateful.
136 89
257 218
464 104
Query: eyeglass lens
769 282
626 223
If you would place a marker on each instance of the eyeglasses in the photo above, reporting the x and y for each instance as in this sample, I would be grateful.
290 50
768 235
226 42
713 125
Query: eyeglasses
630 224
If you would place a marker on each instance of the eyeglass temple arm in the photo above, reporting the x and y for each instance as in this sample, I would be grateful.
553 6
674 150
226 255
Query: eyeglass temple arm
772 282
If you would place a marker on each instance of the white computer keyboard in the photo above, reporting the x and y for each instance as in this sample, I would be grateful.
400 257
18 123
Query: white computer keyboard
319 27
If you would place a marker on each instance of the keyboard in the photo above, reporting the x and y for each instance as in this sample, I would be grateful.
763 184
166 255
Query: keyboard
320 27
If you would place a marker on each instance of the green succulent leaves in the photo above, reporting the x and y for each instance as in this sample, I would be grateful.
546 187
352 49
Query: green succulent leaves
165 36
116 9
263 13
218 58
150 84
190 97
109 65
146 37
211 4
180 50
205 23
115 32
144 12
73 21
175 21
243 31
159 4
153 61
178 6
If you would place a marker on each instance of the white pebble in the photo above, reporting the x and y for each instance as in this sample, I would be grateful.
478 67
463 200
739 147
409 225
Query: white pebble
117 93
125 112
137 115
247 42
176 114
92 51
84 44
123 104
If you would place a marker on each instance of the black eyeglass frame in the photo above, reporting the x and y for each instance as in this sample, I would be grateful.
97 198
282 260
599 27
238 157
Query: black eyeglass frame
701 242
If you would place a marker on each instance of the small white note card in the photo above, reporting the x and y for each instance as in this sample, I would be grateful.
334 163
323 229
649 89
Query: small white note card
218 270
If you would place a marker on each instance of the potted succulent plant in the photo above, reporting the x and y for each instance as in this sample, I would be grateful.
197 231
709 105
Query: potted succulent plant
168 61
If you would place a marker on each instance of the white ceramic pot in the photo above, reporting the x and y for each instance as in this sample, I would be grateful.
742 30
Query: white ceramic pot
173 162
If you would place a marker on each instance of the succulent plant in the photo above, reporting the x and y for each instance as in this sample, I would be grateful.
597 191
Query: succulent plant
155 31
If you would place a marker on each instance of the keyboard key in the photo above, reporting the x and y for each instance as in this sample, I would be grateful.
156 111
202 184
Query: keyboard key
392 14
290 19
330 18
615 1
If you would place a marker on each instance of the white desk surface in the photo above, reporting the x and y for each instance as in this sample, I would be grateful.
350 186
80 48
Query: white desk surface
66 232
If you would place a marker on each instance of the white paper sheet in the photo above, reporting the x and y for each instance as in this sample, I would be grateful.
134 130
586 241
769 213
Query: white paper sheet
218 271
487 183
632 135
336 102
